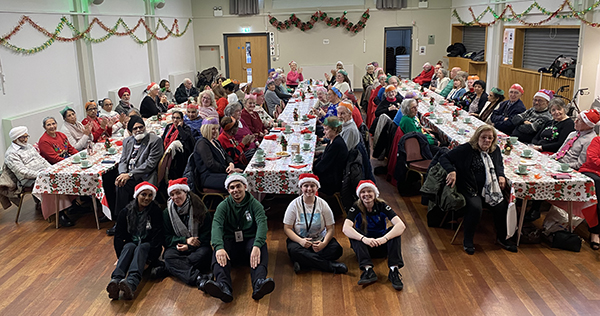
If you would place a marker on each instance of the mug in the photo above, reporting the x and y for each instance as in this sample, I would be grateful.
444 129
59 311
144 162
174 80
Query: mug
564 167
522 169
513 140
527 152
76 159
440 120
85 163
467 120
83 154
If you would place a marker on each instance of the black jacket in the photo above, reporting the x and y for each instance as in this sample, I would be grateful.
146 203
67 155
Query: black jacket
211 165
151 107
182 96
330 166
180 160
154 236
460 160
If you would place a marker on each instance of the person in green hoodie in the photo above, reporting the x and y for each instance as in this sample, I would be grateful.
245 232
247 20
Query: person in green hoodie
239 233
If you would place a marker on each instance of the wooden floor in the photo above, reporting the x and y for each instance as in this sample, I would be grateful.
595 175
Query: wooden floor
45 271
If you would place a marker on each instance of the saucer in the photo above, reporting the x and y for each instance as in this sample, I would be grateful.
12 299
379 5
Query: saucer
567 171
306 149
82 167
288 132
75 162
523 174
527 156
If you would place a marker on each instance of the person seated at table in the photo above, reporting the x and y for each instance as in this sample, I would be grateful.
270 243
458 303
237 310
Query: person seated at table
528 123
229 88
442 80
469 96
261 107
574 150
495 97
185 91
251 117
207 107
457 91
356 113
187 225
294 77
271 72
591 168
179 140
239 234
391 81
330 165
151 104
350 132
139 237
193 119
101 127
554 132
330 79
280 89
141 154
373 100
274 104
501 118
477 170
213 164
165 89
369 77
106 111
456 71
478 99
434 78
77 134
235 110
309 226
322 100
341 81
410 123
238 151
124 105
390 105
54 146
366 227
424 78
221 99
132 112
335 97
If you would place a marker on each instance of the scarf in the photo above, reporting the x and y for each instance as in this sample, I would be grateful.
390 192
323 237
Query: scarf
171 136
563 150
76 130
390 99
138 222
491 190
181 230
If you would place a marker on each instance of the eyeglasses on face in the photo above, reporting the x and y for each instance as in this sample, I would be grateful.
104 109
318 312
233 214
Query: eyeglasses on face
135 128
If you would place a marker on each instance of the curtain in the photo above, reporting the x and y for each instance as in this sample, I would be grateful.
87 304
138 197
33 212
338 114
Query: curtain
391 4
245 7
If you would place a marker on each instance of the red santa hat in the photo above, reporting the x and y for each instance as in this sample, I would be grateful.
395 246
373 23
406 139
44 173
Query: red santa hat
545 94
307 178
144 186
590 117
363 184
178 184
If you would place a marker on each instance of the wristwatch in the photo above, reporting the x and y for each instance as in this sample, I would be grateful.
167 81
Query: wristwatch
130 175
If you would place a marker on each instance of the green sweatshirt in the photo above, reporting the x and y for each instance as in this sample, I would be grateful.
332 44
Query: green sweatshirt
447 89
410 124
249 215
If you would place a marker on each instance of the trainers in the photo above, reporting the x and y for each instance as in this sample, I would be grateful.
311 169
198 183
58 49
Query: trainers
127 289
338 267
396 278
113 289
367 277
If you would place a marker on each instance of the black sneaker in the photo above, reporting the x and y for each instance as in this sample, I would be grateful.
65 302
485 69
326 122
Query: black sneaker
111 231
338 267
113 289
64 220
128 290
507 244
218 290
396 278
367 277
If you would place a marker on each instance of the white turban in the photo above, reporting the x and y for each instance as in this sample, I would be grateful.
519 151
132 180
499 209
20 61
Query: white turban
17 132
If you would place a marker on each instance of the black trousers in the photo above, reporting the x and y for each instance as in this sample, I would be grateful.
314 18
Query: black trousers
474 208
596 178
308 258
132 262
239 252
187 265
124 196
392 249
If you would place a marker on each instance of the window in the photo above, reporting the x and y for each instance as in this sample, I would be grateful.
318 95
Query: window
474 38
543 45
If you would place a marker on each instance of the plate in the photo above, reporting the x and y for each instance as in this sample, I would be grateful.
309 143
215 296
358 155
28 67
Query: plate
523 174
282 154
528 157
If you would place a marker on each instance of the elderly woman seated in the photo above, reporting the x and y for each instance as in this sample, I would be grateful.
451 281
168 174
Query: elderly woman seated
261 107
442 80
54 145
458 89
574 149
101 127
350 132
207 106
528 123
235 110
329 166
274 104
152 104
106 111
179 140
77 134
390 105
342 83
424 78
252 118
369 77
165 89
495 97
238 151
410 122
554 132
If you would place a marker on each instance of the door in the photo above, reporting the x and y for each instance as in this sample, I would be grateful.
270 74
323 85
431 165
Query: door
397 59
247 57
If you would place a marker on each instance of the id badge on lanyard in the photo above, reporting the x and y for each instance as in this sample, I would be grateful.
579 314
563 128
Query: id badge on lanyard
239 236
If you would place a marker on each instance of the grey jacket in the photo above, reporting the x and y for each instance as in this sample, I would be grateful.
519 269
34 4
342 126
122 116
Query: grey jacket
147 160
537 119
576 155
350 134
446 197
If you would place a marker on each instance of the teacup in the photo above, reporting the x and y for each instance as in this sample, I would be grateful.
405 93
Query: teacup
439 120
311 128
304 117
260 158
527 152
76 159
522 169
441 102
288 128
513 140
112 150
432 116
564 167
467 120
260 151
298 158
306 146
83 154
307 136
461 131
431 108
85 163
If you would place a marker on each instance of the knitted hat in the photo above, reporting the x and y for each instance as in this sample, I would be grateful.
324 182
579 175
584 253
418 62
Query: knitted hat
545 94
389 88
133 120
122 91
497 91
178 184
17 132
517 87
144 186
336 91
347 105
363 184
309 177
590 117
235 177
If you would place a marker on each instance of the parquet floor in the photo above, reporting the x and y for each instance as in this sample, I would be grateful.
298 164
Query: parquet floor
45 271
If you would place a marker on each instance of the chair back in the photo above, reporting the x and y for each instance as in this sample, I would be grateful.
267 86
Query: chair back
163 167
413 150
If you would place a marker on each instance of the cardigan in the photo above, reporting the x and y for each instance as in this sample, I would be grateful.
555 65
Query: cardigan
576 155
592 161
526 132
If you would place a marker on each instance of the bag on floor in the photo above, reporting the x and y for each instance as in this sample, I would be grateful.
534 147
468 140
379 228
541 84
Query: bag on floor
566 241
558 220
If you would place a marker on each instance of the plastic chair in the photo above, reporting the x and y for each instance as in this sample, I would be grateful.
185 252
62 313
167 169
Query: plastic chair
414 160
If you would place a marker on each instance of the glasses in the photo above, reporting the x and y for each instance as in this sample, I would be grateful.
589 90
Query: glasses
23 137
138 128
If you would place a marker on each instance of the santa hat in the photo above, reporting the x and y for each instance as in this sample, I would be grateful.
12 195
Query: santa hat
235 177
590 117
122 91
152 86
545 94
178 184
363 184
144 186
517 87
292 62
309 177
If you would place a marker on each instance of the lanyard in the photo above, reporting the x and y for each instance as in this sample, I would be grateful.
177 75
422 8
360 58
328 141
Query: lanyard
311 217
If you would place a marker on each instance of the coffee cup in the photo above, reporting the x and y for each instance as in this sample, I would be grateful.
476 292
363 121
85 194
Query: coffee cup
522 169
439 120
112 150
307 136
76 159
527 152
311 128
564 167
467 120
83 155
432 116
85 163
461 130
513 140
298 158
306 146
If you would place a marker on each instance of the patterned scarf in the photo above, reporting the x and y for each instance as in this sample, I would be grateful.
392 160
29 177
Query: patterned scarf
563 150
181 230
171 136
491 190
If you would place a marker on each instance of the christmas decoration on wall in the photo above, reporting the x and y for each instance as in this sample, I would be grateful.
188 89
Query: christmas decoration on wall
85 34
572 14
321 16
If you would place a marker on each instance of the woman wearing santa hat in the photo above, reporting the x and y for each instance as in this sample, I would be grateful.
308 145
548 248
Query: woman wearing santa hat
187 235
139 236
308 222
369 236
152 104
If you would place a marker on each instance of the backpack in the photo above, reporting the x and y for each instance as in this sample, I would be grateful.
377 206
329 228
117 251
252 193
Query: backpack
479 56
456 50
206 77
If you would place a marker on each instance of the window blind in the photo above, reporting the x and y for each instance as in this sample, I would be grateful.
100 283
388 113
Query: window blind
542 46
474 38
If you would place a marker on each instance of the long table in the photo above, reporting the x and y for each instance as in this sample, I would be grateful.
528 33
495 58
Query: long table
577 195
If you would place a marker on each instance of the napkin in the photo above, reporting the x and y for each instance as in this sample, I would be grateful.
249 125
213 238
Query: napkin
273 158
270 137
171 106
279 128
305 131
310 116
298 166
427 114
119 143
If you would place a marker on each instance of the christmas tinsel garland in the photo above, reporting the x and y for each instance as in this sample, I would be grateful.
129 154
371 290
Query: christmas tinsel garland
321 16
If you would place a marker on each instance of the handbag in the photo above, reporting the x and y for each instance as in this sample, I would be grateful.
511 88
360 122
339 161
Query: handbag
566 241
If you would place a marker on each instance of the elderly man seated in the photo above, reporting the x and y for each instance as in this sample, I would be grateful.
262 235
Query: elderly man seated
141 154
350 132
502 117
239 233
124 106
528 123
574 150
185 91
424 78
